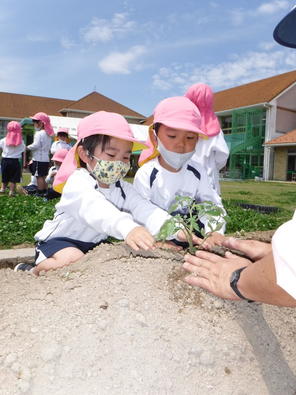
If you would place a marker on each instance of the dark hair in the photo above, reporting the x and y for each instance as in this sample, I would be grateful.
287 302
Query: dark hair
62 134
90 143
156 127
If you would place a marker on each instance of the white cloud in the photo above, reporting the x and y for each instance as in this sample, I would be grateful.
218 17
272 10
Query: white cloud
67 43
273 6
103 30
267 45
38 37
242 69
122 62
237 17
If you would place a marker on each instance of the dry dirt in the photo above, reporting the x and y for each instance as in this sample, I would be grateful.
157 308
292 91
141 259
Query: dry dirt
118 323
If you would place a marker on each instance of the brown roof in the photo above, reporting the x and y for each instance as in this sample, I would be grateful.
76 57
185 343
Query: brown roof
287 138
13 105
95 101
261 91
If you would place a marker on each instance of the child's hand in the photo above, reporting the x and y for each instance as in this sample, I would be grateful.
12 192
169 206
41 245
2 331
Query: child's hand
140 238
181 236
216 239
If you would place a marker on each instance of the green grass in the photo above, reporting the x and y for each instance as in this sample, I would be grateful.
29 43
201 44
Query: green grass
23 216
278 194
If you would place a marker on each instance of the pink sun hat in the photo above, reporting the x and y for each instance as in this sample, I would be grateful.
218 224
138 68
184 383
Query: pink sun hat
63 130
14 134
101 122
60 155
41 116
176 112
202 96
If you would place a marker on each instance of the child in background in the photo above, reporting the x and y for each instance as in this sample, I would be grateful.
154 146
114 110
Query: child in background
57 159
167 168
40 150
212 153
96 202
62 141
12 147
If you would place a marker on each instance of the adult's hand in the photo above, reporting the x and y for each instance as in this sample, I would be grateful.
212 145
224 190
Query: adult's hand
253 249
213 272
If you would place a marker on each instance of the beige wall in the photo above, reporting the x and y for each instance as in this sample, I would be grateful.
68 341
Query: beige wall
280 163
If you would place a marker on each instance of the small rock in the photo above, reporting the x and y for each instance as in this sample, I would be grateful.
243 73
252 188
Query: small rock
23 385
218 304
123 303
9 359
206 358
50 352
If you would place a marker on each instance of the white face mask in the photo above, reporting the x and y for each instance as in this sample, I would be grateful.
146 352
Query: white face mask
174 159
37 129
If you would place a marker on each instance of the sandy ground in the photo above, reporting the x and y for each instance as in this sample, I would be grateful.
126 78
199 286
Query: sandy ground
119 323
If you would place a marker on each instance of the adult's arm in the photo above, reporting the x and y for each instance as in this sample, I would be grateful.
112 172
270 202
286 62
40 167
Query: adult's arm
257 281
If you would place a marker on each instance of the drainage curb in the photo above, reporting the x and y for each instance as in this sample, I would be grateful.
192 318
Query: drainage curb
10 258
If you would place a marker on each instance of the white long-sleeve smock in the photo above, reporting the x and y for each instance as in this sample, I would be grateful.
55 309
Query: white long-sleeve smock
59 144
11 151
284 256
161 186
89 213
41 146
51 175
212 154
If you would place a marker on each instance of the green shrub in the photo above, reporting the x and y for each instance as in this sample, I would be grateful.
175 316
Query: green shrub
21 217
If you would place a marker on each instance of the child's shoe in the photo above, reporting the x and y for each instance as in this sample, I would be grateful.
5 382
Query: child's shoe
11 194
2 190
23 267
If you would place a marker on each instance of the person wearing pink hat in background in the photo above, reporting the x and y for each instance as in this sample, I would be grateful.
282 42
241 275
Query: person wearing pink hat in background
40 150
212 153
167 167
12 147
57 159
61 142
96 203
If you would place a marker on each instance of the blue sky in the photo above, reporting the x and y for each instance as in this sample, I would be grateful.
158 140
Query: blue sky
137 52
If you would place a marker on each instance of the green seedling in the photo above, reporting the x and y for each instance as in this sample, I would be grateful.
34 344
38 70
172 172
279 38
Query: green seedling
188 221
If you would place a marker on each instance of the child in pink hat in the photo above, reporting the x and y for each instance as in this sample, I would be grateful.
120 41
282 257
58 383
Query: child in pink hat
40 150
12 147
57 159
61 141
167 168
212 153
96 203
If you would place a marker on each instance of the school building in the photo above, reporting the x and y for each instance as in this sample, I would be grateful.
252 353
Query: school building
258 120
259 123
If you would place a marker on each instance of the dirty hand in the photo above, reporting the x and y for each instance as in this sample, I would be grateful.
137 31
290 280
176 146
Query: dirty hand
254 249
140 238
216 239
213 272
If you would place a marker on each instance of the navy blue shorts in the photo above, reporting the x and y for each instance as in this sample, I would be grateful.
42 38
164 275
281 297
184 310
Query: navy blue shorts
39 169
46 249
11 170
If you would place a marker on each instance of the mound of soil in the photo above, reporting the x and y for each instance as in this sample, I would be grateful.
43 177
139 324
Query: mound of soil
123 323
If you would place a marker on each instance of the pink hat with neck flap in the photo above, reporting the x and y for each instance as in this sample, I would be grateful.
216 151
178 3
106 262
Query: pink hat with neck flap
202 96
41 116
176 112
101 122
14 134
